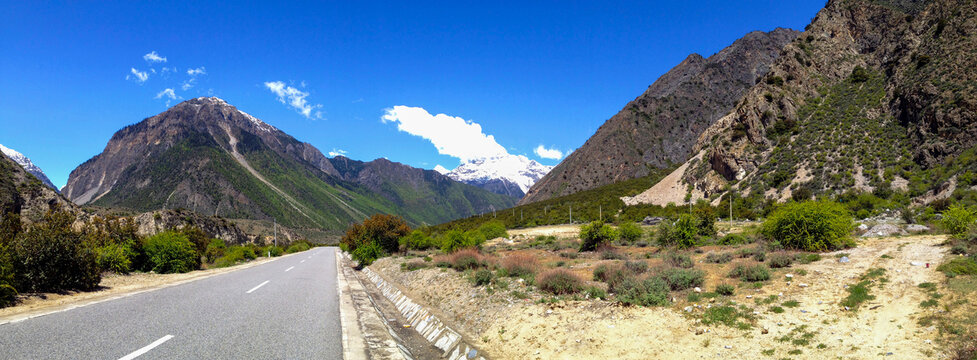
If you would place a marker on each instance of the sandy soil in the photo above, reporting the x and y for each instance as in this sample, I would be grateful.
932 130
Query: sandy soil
507 327
112 286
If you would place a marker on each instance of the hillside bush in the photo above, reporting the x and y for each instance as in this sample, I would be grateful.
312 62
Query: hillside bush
233 255
810 226
215 249
114 258
678 260
519 265
171 252
958 219
466 259
493 229
681 279
636 267
651 291
683 232
780 260
752 273
455 240
8 294
559 282
719 258
273 251
482 277
297 247
959 266
383 230
416 240
197 237
629 232
725 289
51 257
733 239
594 234
367 254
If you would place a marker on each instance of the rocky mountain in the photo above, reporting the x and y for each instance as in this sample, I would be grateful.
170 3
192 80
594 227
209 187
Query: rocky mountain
207 156
510 175
23 194
874 95
659 128
26 163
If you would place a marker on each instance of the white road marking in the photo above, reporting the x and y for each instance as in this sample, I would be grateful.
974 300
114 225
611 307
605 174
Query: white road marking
303 260
256 287
286 270
146 349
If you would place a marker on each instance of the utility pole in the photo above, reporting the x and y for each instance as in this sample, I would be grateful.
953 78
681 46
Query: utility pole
730 194
600 213
571 214
275 227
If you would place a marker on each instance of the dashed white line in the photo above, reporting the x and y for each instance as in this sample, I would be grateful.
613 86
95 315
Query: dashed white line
286 270
303 260
256 287
146 349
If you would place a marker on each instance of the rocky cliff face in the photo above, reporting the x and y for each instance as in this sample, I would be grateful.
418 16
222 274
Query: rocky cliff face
28 165
873 93
23 194
659 128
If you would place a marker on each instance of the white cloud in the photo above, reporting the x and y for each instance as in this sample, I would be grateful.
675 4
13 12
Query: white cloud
545 153
169 93
188 84
452 136
153 57
337 152
141 76
295 98
441 169
198 71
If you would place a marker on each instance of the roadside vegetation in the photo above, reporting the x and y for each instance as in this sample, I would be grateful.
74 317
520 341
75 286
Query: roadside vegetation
51 255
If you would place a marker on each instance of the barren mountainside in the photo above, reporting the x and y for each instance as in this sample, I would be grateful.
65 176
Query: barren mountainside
659 128
874 94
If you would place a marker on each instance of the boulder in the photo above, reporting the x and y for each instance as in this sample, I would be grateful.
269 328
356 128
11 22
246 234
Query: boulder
883 230
652 220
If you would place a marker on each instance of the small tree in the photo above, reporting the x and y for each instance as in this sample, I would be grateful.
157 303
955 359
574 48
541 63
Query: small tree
171 252
493 229
810 226
384 230
51 256
629 232
594 234
957 219
684 232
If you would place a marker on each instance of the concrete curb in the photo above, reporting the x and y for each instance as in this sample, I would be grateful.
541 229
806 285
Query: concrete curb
426 324
366 335
347 316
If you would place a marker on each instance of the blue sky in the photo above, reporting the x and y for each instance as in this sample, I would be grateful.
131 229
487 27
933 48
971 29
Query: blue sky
529 73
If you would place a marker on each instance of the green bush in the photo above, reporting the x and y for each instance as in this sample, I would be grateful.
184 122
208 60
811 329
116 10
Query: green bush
594 234
215 249
559 282
957 219
114 258
629 232
780 260
466 259
959 266
594 292
733 239
684 232
750 273
382 230
416 240
601 272
273 251
678 260
493 229
51 257
652 291
637 267
8 294
681 279
482 277
171 252
297 247
725 289
455 240
810 226
367 254
719 258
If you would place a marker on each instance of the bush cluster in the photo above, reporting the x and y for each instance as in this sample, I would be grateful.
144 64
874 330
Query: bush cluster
810 226
629 232
559 282
298 247
780 260
595 234
171 252
50 256
518 265
375 237
957 219
684 232
752 273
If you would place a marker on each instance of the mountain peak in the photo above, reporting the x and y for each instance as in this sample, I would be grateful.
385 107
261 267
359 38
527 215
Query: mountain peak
26 163
507 174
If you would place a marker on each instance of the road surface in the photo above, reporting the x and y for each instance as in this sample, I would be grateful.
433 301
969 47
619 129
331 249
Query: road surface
283 309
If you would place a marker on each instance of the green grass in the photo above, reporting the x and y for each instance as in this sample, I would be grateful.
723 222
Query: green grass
791 304
727 315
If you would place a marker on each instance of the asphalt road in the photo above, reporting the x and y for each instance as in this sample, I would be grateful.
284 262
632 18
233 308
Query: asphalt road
284 309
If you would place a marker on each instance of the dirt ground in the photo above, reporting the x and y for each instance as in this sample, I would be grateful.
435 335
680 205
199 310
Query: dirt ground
506 326
112 286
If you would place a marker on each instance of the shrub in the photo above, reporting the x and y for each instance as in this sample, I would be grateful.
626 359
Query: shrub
681 279
273 251
465 259
455 240
171 252
601 272
959 266
493 229
807 258
810 226
759 256
367 254
50 257
682 233
652 291
957 219
8 294
383 230
297 247
594 234
559 282
678 260
215 250
780 260
725 289
482 277
416 240
733 239
594 292
197 237
750 273
519 265
637 267
114 258
608 253
719 258
629 232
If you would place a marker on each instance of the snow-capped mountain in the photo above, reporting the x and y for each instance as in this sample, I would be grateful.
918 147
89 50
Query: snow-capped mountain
27 165
511 175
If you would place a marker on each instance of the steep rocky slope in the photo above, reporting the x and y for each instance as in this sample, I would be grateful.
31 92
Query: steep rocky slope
23 194
28 165
874 94
207 156
659 128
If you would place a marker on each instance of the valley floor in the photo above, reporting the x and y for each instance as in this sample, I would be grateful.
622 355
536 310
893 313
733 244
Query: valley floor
507 323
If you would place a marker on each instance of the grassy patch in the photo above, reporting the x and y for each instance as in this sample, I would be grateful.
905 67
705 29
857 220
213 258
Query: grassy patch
791 304
727 315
